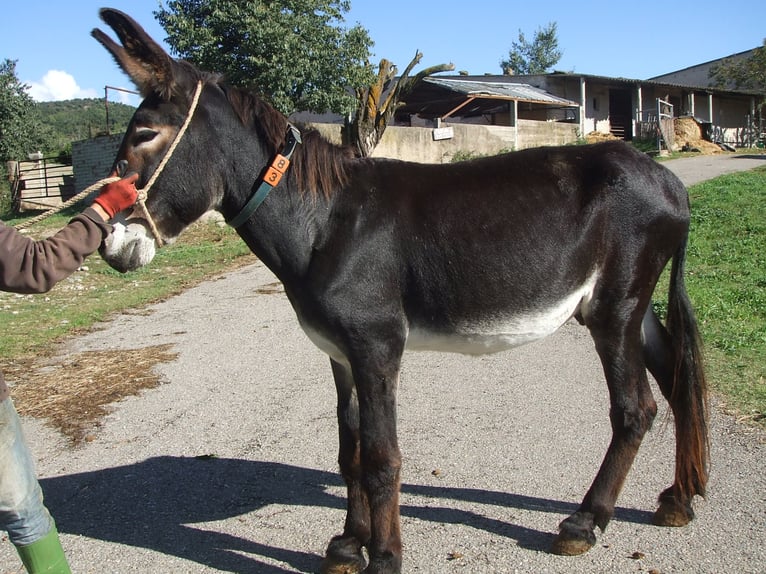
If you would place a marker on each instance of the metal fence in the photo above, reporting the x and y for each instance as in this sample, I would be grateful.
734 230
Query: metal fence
657 123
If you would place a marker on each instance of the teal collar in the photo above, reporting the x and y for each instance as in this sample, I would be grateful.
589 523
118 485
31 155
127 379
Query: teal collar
270 179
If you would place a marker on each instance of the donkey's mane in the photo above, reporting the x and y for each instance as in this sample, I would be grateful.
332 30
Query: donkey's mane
320 167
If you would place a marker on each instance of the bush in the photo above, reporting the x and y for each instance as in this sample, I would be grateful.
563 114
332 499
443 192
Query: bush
5 194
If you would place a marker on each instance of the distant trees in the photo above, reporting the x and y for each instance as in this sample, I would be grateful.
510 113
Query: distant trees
535 57
21 131
27 126
749 73
82 118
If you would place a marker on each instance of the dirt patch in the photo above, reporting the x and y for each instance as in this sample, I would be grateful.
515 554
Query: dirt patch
72 393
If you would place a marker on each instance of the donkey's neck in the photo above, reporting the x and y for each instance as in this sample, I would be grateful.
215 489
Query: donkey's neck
284 230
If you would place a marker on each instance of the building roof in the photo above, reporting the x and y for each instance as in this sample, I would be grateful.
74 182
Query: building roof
635 82
441 97
734 57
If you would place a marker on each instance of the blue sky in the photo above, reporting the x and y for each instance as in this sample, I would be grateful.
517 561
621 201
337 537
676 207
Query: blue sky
59 60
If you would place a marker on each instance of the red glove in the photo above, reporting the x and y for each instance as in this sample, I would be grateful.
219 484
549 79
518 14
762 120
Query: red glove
119 195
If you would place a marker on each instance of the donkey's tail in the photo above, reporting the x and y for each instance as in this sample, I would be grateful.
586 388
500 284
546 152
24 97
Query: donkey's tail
688 397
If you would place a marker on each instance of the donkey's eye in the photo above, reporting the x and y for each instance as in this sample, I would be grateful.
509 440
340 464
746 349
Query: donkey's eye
144 135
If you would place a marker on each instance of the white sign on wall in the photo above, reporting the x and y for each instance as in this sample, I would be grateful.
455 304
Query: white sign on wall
443 134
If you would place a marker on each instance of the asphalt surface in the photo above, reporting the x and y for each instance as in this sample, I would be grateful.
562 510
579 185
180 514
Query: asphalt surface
229 466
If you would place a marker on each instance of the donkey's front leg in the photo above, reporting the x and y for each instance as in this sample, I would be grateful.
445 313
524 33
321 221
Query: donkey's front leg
370 461
344 553
381 464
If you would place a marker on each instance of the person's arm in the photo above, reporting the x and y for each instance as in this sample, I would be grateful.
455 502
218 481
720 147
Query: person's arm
29 266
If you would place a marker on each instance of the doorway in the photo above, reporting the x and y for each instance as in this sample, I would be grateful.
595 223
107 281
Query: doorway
620 123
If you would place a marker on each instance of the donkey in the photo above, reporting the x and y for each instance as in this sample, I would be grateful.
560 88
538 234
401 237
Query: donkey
378 256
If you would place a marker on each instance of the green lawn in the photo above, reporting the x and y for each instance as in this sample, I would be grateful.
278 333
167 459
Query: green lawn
726 271
29 324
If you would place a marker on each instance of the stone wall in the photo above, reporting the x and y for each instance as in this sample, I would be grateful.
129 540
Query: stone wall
93 158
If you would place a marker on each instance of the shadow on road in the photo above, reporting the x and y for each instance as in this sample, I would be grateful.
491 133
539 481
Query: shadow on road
159 504
750 156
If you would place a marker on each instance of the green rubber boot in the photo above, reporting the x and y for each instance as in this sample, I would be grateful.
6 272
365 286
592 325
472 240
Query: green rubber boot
45 556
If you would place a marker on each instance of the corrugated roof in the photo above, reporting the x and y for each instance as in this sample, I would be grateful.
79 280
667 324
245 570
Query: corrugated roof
500 90
649 82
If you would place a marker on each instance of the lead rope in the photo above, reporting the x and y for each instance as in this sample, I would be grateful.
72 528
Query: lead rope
72 200
142 193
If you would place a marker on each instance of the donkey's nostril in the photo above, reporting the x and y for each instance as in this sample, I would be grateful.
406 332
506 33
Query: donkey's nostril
122 165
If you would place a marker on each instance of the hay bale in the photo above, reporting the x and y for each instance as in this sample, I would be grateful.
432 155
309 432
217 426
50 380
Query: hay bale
688 134
687 129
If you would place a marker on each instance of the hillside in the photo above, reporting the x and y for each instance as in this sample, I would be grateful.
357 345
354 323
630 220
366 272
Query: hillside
79 119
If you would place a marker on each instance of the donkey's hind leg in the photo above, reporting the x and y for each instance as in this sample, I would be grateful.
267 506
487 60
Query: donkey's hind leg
632 410
675 507
344 553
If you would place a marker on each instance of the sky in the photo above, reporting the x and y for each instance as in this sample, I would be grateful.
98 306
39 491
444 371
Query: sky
58 59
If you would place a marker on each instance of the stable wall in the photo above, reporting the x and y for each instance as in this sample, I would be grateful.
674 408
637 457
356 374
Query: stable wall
418 144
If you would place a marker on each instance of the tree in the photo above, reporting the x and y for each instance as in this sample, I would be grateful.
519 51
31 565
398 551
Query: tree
377 102
294 52
748 73
21 131
536 57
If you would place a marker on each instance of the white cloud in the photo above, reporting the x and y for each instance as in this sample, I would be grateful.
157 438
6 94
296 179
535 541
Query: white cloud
58 85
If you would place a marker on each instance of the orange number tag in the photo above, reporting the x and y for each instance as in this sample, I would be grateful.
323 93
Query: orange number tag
276 170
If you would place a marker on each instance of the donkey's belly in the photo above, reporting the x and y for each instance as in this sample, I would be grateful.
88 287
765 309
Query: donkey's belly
503 331
486 335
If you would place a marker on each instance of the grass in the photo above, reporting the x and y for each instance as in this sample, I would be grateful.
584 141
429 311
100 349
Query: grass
29 324
726 278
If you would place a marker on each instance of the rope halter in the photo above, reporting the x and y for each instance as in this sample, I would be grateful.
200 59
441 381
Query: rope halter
143 193
140 207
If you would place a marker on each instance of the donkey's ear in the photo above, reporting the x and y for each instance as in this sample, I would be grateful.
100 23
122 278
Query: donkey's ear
140 57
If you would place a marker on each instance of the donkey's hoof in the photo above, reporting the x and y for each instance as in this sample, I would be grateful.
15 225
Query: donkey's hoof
573 539
344 556
565 546
664 517
672 512
331 567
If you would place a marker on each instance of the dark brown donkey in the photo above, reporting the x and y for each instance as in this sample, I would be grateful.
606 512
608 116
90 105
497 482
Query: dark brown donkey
378 256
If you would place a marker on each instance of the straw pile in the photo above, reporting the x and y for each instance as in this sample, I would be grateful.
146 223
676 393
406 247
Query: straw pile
72 393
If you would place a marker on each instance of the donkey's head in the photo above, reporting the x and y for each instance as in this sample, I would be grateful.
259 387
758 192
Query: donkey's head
189 184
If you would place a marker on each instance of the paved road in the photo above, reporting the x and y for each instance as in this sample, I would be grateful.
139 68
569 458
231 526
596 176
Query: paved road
699 168
497 450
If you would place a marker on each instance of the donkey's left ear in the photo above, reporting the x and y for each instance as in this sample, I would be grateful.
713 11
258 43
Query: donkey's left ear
140 57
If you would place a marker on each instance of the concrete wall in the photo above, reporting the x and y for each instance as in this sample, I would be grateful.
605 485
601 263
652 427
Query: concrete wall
419 145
